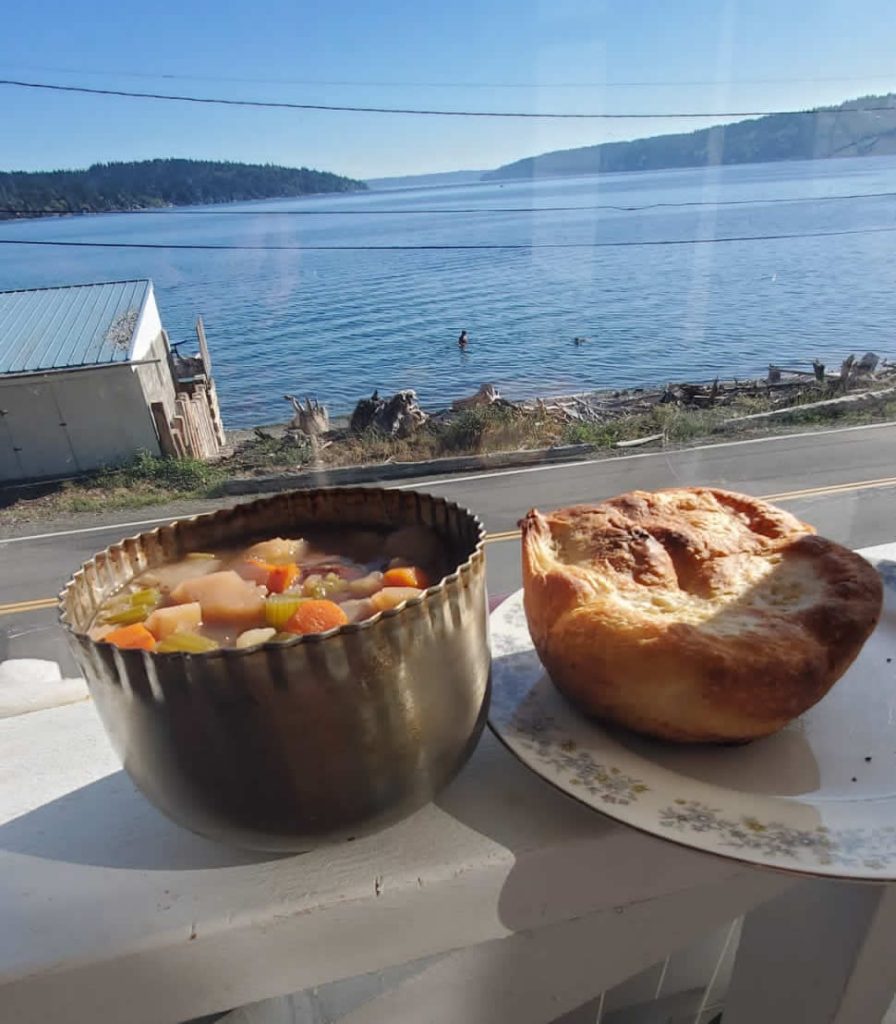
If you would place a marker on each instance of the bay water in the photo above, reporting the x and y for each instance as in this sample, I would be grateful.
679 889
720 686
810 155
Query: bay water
337 323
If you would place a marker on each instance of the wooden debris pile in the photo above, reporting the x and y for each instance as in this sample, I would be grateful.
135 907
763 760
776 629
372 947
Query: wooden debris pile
782 386
398 416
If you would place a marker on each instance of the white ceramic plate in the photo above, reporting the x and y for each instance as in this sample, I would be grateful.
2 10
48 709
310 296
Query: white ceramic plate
817 798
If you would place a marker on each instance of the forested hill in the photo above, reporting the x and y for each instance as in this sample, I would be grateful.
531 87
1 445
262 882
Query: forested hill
152 183
846 130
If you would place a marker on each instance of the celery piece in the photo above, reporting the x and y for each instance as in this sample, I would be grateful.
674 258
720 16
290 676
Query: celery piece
334 584
280 608
187 643
200 554
324 587
126 609
314 587
128 616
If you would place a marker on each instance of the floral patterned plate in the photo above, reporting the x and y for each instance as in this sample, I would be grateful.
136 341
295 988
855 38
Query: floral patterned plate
817 798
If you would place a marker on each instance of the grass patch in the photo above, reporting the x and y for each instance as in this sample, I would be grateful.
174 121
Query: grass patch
679 425
145 481
496 428
189 477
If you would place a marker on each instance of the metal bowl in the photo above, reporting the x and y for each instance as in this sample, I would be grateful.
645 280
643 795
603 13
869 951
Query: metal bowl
288 745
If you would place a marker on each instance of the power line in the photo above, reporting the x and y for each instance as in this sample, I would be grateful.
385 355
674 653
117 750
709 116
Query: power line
214 212
284 105
512 246
397 84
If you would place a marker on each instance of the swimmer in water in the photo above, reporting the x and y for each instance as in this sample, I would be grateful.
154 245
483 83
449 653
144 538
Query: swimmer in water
462 341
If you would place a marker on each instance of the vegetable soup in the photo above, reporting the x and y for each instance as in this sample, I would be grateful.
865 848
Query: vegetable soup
270 590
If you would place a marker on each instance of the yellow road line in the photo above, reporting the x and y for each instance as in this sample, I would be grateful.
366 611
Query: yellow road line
862 485
39 603
806 492
496 538
27 606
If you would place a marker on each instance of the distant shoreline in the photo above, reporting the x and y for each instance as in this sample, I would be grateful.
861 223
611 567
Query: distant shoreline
142 185
163 207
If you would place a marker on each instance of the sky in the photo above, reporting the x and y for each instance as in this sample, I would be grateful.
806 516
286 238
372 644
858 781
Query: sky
598 56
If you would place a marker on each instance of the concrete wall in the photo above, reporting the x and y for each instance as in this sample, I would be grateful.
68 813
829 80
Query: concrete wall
61 424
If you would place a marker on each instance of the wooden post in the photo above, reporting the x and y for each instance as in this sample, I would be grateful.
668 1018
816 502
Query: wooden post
191 437
209 441
216 414
846 371
163 429
179 433
203 346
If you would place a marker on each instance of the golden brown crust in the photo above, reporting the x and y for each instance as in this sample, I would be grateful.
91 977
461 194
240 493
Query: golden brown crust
693 614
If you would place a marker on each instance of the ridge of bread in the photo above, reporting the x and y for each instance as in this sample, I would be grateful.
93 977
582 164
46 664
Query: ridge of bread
693 614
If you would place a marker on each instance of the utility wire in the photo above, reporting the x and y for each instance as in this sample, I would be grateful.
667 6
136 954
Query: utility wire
167 212
442 248
284 105
389 84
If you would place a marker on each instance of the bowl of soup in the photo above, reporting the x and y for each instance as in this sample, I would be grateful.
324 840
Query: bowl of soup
291 671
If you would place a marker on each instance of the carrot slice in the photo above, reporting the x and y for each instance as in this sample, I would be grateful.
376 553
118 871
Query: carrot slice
282 576
316 617
134 636
406 576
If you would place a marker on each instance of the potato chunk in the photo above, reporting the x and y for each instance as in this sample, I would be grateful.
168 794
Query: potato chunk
183 618
389 597
167 577
225 597
255 636
276 551
366 585
358 610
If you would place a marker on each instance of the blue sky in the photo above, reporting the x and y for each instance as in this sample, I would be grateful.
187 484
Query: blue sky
468 54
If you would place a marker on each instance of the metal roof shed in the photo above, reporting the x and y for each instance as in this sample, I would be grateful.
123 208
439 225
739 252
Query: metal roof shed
80 367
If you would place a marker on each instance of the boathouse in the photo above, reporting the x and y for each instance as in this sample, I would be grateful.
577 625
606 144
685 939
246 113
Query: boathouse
88 378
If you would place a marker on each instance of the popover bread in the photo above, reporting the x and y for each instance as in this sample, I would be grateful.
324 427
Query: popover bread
693 614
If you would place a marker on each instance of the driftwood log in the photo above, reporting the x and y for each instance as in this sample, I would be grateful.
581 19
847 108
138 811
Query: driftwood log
486 395
310 418
868 363
398 416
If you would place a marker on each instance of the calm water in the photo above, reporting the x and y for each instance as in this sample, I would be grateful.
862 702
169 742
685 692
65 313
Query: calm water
338 324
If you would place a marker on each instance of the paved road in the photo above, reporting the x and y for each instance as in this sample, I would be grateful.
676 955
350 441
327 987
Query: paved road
842 481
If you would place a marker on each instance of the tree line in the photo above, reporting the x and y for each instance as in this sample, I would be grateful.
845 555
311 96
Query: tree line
147 184
850 129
